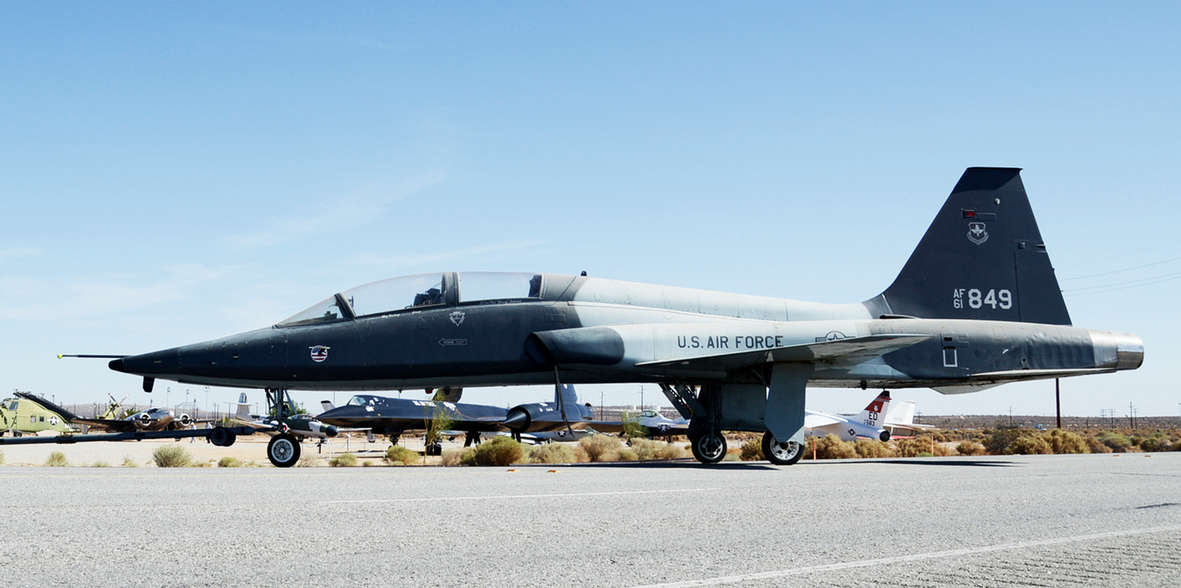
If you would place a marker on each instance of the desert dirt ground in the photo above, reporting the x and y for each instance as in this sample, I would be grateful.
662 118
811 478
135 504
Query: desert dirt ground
252 448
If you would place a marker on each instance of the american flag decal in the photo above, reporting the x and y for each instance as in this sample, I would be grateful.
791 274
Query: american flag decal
319 353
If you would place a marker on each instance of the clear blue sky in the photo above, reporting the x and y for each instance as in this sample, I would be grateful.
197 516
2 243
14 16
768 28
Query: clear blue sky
176 172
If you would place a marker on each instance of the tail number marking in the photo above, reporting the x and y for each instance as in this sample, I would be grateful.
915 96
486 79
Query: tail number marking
975 298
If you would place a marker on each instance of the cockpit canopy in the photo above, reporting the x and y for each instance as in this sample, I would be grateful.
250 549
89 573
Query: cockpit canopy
422 290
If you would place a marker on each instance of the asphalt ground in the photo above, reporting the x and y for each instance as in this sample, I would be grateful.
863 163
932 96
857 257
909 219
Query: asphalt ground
1089 520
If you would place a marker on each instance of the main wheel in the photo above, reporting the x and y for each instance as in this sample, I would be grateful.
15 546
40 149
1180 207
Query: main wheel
222 437
709 447
781 453
283 450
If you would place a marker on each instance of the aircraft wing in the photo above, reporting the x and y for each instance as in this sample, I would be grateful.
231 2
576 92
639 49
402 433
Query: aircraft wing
848 351
814 421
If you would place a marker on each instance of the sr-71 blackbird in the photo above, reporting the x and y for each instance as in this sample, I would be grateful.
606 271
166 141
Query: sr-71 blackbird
976 305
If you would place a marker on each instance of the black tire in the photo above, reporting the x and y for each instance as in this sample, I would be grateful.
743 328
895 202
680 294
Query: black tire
221 437
283 450
781 453
708 447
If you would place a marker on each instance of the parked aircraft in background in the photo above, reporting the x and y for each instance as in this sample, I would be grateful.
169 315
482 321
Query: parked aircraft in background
26 414
654 424
395 416
900 419
976 305
867 425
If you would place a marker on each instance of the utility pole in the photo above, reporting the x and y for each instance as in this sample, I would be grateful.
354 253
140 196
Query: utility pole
1131 418
1058 402
603 418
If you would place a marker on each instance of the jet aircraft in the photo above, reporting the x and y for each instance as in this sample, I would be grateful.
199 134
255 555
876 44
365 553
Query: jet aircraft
395 416
976 305
867 425
901 418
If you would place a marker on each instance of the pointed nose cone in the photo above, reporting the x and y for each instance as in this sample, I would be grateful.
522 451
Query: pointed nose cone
517 419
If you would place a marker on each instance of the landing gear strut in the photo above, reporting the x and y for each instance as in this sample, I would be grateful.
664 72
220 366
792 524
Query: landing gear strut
781 453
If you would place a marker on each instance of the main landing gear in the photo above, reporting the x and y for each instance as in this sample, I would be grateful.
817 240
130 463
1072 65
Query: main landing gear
283 450
781 453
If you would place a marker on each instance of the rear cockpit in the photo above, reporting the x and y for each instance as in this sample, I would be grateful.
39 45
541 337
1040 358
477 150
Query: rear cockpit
423 291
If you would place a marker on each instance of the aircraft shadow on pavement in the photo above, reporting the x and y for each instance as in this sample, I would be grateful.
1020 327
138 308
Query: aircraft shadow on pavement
934 462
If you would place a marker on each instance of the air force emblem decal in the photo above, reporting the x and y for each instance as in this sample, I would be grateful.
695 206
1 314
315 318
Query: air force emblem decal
457 317
319 353
976 233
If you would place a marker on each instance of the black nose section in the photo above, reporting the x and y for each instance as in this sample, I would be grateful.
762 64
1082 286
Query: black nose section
116 365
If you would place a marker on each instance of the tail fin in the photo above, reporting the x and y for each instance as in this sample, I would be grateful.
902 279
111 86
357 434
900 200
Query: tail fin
326 405
569 396
243 411
982 258
872 415
902 415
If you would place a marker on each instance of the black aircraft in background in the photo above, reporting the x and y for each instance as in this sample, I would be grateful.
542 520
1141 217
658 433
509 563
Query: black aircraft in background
395 416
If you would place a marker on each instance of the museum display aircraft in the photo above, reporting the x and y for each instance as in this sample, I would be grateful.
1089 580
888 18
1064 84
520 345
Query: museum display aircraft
867 425
976 305
25 414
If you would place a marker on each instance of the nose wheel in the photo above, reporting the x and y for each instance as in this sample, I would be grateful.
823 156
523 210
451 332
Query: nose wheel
283 450
709 447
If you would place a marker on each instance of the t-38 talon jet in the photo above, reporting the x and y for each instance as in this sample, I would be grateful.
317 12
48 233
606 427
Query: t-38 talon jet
975 306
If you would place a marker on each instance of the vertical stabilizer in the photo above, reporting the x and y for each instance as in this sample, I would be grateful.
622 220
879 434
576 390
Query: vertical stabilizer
982 258
872 415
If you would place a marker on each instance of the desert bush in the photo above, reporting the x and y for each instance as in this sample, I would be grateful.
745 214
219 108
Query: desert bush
398 453
752 450
1157 443
57 459
601 447
1067 442
452 457
1031 444
1 458
500 451
307 460
1117 442
870 448
468 456
969 447
1094 445
831 447
626 454
229 462
100 464
732 456
344 460
997 442
171 456
129 463
649 449
553 453
671 451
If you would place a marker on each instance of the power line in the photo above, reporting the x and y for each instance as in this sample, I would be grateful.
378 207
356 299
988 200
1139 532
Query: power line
1123 285
1121 270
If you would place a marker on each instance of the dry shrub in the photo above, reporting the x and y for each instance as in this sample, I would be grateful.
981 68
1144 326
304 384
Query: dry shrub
997 442
1157 442
649 449
626 454
171 456
831 447
344 460
1067 442
1094 445
57 459
500 451
1117 442
308 460
970 447
752 450
1029 445
98 464
229 462
129 463
398 454
553 453
1 458
601 447
452 457
870 448
919 447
